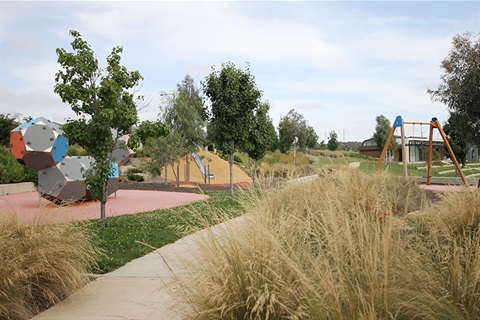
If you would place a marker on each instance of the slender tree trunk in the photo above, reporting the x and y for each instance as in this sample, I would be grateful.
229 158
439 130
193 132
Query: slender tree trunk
294 153
166 170
254 171
230 162
187 168
103 202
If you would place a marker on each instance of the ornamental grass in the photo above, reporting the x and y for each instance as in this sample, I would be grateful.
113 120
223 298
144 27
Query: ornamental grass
40 264
344 246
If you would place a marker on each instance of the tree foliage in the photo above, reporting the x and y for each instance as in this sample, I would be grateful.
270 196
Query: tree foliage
104 104
332 143
382 132
234 97
460 85
456 140
7 124
184 113
261 138
312 138
292 126
163 151
148 129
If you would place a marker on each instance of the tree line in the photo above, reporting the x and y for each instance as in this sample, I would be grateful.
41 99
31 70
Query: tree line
234 116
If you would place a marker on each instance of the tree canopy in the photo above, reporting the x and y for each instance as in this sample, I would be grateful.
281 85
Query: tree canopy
292 126
148 129
262 138
7 124
105 106
332 143
234 98
459 89
383 128
312 138
456 140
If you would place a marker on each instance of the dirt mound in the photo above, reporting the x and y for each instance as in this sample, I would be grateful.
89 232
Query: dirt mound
218 167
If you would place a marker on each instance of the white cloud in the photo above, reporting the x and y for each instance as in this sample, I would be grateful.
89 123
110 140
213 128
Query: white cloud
34 103
339 63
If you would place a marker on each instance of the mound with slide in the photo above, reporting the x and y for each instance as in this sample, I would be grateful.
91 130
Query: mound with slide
219 171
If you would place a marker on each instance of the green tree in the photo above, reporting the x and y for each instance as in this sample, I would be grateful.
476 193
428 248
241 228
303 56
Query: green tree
460 86
148 129
7 124
261 138
382 131
312 138
292 126
163 151
184 113
234 97
456 140
104 104
332 143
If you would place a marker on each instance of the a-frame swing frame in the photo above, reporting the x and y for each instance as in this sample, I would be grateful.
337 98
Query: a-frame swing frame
433 124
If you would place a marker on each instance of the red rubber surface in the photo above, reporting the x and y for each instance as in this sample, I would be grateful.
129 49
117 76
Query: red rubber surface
26 205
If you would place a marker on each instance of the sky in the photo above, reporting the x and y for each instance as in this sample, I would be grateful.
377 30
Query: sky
338 63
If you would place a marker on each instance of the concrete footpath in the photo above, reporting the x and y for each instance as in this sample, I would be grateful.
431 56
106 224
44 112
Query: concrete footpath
142 289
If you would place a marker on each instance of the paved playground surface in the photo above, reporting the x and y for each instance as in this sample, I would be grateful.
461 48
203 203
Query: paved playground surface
30 208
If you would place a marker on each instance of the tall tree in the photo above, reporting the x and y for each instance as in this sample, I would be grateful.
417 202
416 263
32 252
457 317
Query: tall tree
234 97
292 126
312 138
102 100
163 151
460 86
333 143
184 113
382 132
261 138
456 140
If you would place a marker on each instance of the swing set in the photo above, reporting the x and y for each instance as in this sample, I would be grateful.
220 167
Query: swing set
399 123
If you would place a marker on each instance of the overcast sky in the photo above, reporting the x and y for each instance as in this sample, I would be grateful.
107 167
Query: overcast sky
338 63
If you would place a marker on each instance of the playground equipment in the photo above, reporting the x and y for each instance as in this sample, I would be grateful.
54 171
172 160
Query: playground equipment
204 170
41 145
38 144
399 123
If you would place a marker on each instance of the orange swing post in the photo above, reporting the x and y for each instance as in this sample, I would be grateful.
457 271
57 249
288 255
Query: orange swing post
436 124
397 123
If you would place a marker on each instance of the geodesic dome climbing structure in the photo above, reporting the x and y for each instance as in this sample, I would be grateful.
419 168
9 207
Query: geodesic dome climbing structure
38 144
41 145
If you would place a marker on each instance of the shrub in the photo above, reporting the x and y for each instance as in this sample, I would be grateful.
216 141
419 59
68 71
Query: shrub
237 159
41 265
134 170
282 170
76 150
12 172
135 177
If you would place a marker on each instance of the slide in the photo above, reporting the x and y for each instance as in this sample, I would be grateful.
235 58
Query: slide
202 166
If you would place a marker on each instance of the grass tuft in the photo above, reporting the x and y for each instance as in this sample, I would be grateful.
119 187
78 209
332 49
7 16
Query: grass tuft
40 265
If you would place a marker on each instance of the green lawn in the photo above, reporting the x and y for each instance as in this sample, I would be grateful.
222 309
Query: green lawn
420 169
126 236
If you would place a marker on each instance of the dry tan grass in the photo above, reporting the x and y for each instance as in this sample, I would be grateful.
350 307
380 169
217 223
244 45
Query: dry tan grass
334 248
39 265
